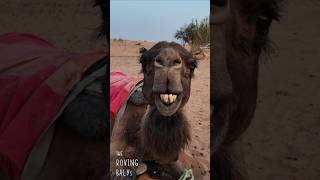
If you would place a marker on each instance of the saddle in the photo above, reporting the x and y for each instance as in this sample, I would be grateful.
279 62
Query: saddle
124 88
42 84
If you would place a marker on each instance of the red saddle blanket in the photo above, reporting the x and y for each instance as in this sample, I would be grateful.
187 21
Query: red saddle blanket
121 85
35 77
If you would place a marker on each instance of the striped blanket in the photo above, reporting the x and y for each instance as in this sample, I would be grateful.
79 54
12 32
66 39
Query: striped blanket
35 78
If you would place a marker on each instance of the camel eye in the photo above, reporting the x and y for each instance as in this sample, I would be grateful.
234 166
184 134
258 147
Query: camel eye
158 60
193 64
263 24
177 61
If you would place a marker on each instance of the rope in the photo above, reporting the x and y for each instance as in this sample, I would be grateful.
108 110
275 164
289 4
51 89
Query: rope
187 175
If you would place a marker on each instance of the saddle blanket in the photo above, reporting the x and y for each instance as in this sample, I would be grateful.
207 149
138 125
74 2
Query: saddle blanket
121 85
35 78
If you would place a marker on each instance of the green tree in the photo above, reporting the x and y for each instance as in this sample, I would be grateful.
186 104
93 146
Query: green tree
195 34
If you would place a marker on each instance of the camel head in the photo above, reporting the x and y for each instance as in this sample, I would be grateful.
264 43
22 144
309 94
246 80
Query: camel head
167 69
240 35
240 31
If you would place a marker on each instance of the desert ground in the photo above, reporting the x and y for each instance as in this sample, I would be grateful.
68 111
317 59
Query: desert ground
283 141
124 57
69 24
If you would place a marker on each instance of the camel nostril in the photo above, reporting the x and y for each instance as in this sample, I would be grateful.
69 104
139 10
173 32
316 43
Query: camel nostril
177 61
158 60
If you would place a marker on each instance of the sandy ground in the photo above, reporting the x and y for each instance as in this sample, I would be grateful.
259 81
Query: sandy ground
283 141
124 57
69 24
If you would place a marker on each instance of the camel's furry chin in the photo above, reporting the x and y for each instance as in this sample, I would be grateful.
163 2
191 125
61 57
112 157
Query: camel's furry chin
162 136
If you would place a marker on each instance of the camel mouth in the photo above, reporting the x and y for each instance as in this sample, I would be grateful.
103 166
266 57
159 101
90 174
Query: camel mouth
167 104
168 98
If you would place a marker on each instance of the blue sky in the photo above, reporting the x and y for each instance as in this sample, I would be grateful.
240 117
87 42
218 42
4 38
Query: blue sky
153 20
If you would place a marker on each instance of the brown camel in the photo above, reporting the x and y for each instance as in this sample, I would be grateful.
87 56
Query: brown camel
158 128
239 32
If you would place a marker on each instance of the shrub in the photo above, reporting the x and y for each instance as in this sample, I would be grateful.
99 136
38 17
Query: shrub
195 34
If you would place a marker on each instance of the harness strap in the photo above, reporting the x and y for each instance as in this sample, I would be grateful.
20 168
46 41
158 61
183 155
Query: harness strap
39 152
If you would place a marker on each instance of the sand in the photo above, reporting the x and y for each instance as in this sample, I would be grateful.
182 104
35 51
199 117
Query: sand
70 24
283 141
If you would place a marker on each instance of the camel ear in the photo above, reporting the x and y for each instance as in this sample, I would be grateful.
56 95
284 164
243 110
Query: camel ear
193 63
142 50
143 59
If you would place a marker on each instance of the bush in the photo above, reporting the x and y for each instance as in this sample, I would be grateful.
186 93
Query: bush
195 34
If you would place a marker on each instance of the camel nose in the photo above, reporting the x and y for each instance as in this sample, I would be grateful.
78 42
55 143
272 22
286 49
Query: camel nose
221 85
167 80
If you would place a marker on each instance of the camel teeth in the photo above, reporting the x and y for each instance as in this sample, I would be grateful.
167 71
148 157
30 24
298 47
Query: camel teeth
170 98
174 97
166 98
162 97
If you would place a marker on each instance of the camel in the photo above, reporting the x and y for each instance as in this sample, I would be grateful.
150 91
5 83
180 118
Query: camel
239 35
159 127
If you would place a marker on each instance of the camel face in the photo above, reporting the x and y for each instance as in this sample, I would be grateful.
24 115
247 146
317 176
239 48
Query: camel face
240 34
167 86
168 69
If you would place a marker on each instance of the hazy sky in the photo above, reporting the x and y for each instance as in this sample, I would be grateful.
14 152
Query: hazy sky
153 20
